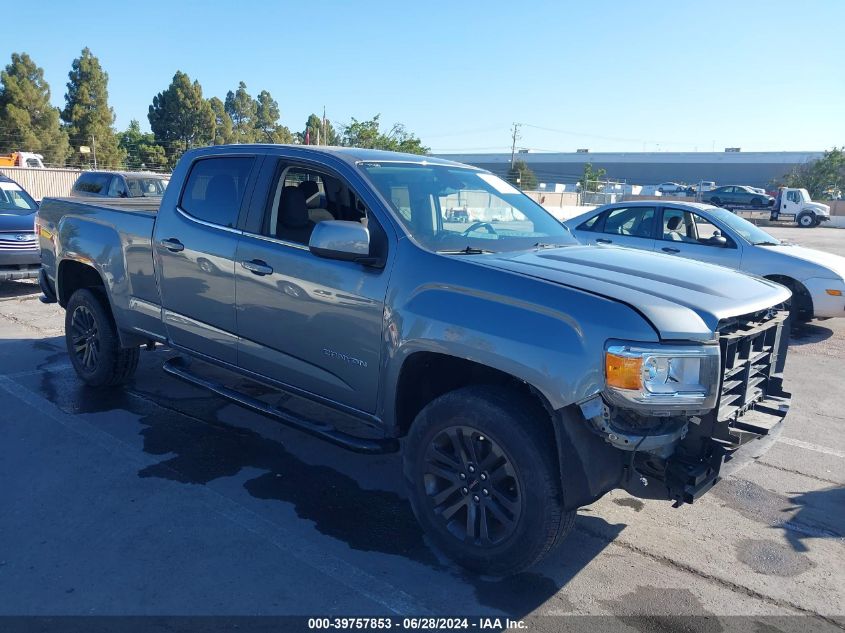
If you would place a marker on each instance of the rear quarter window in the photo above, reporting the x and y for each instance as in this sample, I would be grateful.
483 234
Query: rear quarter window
215 189
96 184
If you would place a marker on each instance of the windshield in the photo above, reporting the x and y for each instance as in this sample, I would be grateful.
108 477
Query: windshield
139 187
15 200
753 234
450 209
805 195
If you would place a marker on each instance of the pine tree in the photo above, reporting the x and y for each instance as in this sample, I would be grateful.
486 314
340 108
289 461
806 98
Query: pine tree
27 120
242 108
222 122
87 113
142 152
180 118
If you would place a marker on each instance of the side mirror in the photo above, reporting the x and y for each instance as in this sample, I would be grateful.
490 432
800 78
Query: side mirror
339 239
718 240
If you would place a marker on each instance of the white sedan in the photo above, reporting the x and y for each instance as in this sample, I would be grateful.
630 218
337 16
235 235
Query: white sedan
717 236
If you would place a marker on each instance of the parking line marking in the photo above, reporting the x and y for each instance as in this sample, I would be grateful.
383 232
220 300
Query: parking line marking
314 556
811 447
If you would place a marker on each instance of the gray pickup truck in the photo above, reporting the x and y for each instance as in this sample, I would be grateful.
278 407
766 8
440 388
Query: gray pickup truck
523 375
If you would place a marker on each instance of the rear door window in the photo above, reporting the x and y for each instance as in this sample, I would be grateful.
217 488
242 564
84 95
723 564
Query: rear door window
215 189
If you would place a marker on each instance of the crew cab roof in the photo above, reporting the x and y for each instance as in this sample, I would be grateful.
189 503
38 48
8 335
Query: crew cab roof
351 155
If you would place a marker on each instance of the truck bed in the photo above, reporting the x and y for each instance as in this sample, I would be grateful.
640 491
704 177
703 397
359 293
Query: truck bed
114 236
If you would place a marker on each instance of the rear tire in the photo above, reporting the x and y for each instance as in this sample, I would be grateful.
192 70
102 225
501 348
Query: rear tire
484 482
92 341
806 220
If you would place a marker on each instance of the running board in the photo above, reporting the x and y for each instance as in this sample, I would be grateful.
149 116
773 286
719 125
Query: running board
179 367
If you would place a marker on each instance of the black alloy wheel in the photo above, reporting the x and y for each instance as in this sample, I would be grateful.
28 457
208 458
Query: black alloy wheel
472 486
86 337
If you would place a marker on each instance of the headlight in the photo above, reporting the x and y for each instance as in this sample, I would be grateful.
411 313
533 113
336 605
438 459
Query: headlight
662 379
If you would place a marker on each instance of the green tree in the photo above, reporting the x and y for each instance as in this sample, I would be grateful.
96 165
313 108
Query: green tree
222 122
87 113
315 130
521 176
243 109
27 120
180 118
142 151
366 134
822 176
267 127
591 179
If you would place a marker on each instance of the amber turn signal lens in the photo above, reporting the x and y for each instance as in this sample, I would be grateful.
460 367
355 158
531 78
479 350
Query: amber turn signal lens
623 372
834 293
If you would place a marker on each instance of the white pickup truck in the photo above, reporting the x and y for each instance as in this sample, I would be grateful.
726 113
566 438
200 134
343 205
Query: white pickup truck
796 204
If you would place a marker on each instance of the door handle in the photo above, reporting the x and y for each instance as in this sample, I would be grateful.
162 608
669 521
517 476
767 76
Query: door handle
601 240
257 267
172 244
669 249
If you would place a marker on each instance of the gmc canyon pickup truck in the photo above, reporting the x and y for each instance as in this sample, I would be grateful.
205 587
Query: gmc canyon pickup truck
521 374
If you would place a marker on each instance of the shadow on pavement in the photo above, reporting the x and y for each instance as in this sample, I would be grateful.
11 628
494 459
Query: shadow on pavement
197 448
807 333
12 289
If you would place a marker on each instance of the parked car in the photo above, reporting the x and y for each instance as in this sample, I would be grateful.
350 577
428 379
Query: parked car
117 184
718 236
737 195
528 374
19 255
671 187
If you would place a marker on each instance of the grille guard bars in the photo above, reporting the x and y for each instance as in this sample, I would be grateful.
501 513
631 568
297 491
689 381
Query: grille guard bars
751 406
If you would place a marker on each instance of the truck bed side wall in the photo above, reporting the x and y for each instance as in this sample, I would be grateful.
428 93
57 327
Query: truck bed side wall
115 243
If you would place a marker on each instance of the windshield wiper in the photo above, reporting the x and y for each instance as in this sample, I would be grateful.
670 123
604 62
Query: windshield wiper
767 243
469 250
543 245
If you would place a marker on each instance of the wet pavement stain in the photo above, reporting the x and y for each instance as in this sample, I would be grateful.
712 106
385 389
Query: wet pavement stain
628 502
772 559
808 515
663 610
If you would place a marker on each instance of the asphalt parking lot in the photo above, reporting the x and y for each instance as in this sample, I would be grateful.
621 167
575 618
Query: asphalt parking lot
160 499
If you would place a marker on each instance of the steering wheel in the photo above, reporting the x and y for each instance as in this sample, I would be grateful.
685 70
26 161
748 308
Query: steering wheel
478 225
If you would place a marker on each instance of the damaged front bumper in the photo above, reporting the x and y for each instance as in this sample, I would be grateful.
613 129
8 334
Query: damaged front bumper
680 457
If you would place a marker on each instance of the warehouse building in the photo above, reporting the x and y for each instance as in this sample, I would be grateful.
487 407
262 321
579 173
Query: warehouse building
757 169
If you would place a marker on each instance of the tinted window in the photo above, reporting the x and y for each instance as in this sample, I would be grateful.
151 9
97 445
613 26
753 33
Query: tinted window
93 183
215 189
590 224
633 221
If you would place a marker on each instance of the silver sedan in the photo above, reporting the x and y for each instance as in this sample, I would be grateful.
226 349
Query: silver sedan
710 234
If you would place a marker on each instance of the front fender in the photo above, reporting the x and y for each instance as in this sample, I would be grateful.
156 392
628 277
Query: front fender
549 336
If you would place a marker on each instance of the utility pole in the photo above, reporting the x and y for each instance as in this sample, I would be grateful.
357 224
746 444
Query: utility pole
513 145
94 150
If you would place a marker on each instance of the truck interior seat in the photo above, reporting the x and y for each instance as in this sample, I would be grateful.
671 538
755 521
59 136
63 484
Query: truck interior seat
315 201
293 224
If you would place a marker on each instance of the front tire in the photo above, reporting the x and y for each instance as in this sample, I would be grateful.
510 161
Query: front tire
483 479
756 203
806 220
716 201
93 344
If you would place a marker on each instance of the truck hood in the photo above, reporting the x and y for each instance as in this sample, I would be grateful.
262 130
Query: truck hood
681 298
827 265
821 209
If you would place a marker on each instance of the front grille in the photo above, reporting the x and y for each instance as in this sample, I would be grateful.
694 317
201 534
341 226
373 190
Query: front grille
10 242
753 348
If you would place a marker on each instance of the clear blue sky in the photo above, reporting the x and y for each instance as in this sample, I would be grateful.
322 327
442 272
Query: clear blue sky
610 76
